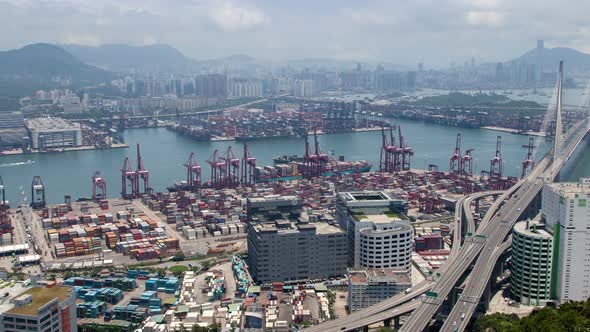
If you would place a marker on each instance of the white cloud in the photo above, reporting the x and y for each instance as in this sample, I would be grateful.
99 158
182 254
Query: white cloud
149 40
489 18
229 16
82 38
483 3
402 31
369 16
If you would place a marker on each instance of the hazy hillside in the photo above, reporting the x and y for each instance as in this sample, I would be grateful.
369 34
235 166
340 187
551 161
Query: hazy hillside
126 58
40 66
574 60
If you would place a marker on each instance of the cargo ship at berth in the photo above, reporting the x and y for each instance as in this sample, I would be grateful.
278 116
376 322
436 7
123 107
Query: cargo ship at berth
287 159
293 167
243 138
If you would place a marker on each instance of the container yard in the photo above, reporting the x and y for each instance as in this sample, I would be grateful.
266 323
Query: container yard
225 295
127 232
156 225
277 120
130 298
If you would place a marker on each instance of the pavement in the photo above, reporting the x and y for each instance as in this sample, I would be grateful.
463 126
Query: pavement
499 304
340 304
230 281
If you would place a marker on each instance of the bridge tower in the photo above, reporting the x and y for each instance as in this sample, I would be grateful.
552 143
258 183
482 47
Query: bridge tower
558 124
529 162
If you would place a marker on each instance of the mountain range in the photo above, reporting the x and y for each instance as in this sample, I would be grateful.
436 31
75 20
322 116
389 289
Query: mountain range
42 66
574 60
126 59
45 66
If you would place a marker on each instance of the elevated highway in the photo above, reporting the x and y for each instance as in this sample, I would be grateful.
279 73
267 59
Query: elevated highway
484 248
404 303
496 225
469 299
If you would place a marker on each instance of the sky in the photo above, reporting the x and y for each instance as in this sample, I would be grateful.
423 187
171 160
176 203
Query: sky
436 32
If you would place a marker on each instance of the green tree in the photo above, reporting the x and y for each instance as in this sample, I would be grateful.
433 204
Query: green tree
178 256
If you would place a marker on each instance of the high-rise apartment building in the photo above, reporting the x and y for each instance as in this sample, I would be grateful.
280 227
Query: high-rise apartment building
566 211
239 88
211 85
303 88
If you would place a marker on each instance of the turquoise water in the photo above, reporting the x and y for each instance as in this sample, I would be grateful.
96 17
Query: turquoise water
164 152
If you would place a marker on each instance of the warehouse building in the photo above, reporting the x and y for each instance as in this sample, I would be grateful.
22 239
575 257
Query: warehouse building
287 245
40 309
52 133
273 203
369 287
12 130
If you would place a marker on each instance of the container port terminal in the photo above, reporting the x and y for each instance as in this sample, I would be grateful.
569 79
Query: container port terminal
208 212
208 216
277 120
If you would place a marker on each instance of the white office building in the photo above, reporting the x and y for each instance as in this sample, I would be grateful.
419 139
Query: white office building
566 211
379 234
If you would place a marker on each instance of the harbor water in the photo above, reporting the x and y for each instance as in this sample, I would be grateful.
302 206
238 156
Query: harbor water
164 152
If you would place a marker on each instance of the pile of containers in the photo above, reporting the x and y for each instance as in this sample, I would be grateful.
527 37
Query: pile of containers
300 314
241 275
124 284
107 294
324 305
61 222
78 247
215 285
272 314
167 285
130 313
216 212
6 238
187 291
141 274
92 309
150 300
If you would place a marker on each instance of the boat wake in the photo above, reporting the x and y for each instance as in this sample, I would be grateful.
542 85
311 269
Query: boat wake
22 163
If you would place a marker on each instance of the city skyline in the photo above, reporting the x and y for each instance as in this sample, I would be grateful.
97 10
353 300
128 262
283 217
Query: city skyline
487 30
